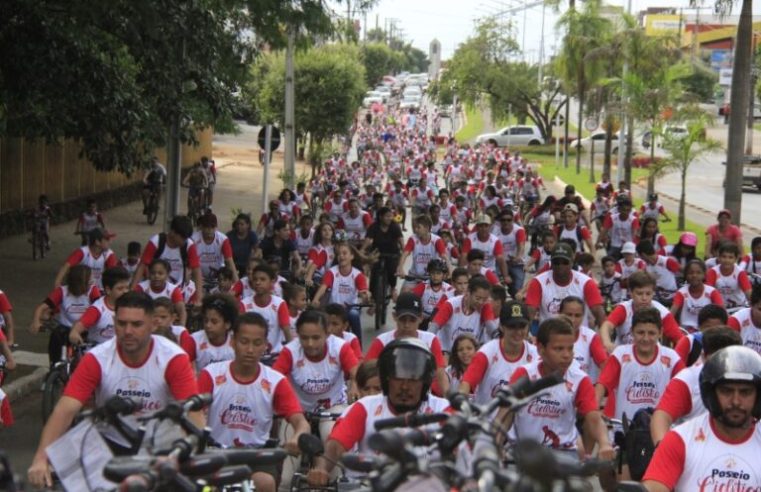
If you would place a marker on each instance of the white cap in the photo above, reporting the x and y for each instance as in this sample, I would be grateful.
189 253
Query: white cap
629 248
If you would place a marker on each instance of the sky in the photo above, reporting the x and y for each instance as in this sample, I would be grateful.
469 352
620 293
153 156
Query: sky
452 21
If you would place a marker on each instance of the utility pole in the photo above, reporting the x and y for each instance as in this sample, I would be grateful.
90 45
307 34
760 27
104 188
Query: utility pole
290 133
541 51
174 164
622 130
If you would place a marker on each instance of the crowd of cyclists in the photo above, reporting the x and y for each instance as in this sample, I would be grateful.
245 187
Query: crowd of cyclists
497 279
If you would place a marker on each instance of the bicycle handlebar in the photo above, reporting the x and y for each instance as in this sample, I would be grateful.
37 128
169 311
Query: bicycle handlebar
410 420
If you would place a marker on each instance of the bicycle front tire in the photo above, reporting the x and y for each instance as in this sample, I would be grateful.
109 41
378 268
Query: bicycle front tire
55 382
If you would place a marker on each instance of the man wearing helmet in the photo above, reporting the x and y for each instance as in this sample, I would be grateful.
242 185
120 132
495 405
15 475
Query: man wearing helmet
717 450
406 367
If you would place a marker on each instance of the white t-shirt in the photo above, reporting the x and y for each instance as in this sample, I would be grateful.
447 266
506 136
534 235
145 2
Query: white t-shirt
319 384
241 413
207 353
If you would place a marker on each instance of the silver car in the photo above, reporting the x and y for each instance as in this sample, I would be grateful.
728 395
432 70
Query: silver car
513 135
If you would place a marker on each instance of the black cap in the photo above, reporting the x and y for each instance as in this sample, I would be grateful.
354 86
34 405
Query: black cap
408 303
513 313
564 251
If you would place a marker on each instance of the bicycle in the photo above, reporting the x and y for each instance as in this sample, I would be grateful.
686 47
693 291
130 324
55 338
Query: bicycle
59 374
186 465
151 211
39 240
381 295
311 446
196 202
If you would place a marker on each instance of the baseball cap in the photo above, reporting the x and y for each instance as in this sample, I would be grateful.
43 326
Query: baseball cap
563 251
629 247
724 211
408 303
571 207
483 219
688 239
513 313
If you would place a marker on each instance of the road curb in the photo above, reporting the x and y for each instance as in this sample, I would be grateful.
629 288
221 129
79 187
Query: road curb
25 385
709 212
746 227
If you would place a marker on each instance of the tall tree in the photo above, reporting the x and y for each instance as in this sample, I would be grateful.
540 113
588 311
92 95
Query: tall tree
584 30
738 102
683 150
330 81
482 70
114 75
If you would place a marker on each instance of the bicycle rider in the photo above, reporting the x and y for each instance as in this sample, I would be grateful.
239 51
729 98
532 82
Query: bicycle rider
197 182
134 362
716 451
152 181
406 367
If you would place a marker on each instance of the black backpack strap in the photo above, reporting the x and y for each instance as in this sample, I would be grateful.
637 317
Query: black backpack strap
183 254
696 350
161 245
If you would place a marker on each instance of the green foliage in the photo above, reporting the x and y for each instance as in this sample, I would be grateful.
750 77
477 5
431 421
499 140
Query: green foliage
474 124
114 75
683 150
482 70
700 84
380 60
329 84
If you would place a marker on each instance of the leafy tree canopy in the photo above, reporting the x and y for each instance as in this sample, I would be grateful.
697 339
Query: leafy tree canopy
115 74
329 84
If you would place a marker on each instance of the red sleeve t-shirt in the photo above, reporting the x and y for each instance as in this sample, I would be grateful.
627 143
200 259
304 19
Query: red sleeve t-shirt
88 374
667 464
676 400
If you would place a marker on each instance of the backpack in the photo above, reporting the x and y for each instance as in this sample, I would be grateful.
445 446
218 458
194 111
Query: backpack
183 253
638 444
696 350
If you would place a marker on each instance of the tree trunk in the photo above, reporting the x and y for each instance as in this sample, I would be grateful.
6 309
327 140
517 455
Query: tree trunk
579 122
738 104
650 175
682 198
592 161
608 142
565 130
629 150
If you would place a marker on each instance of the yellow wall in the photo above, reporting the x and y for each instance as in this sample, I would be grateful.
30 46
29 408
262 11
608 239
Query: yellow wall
31 168
660 24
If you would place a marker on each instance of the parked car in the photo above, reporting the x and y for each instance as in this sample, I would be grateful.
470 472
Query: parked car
676 132
385 91
513 135
598 137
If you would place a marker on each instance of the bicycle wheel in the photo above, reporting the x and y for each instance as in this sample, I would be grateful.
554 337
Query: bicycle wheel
41 244
153 209
380 299
52 390
34 244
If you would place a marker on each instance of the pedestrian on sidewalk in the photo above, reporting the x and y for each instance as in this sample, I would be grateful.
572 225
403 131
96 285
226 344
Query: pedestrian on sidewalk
724 230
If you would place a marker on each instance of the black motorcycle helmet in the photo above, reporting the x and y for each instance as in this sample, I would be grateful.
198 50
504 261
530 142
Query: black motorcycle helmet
736 364
406 358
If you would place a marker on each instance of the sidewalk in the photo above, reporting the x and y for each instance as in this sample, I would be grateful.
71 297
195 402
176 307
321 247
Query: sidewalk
26 282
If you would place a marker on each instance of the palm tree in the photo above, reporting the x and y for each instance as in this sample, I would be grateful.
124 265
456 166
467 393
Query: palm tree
738 102
584 31
684 150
